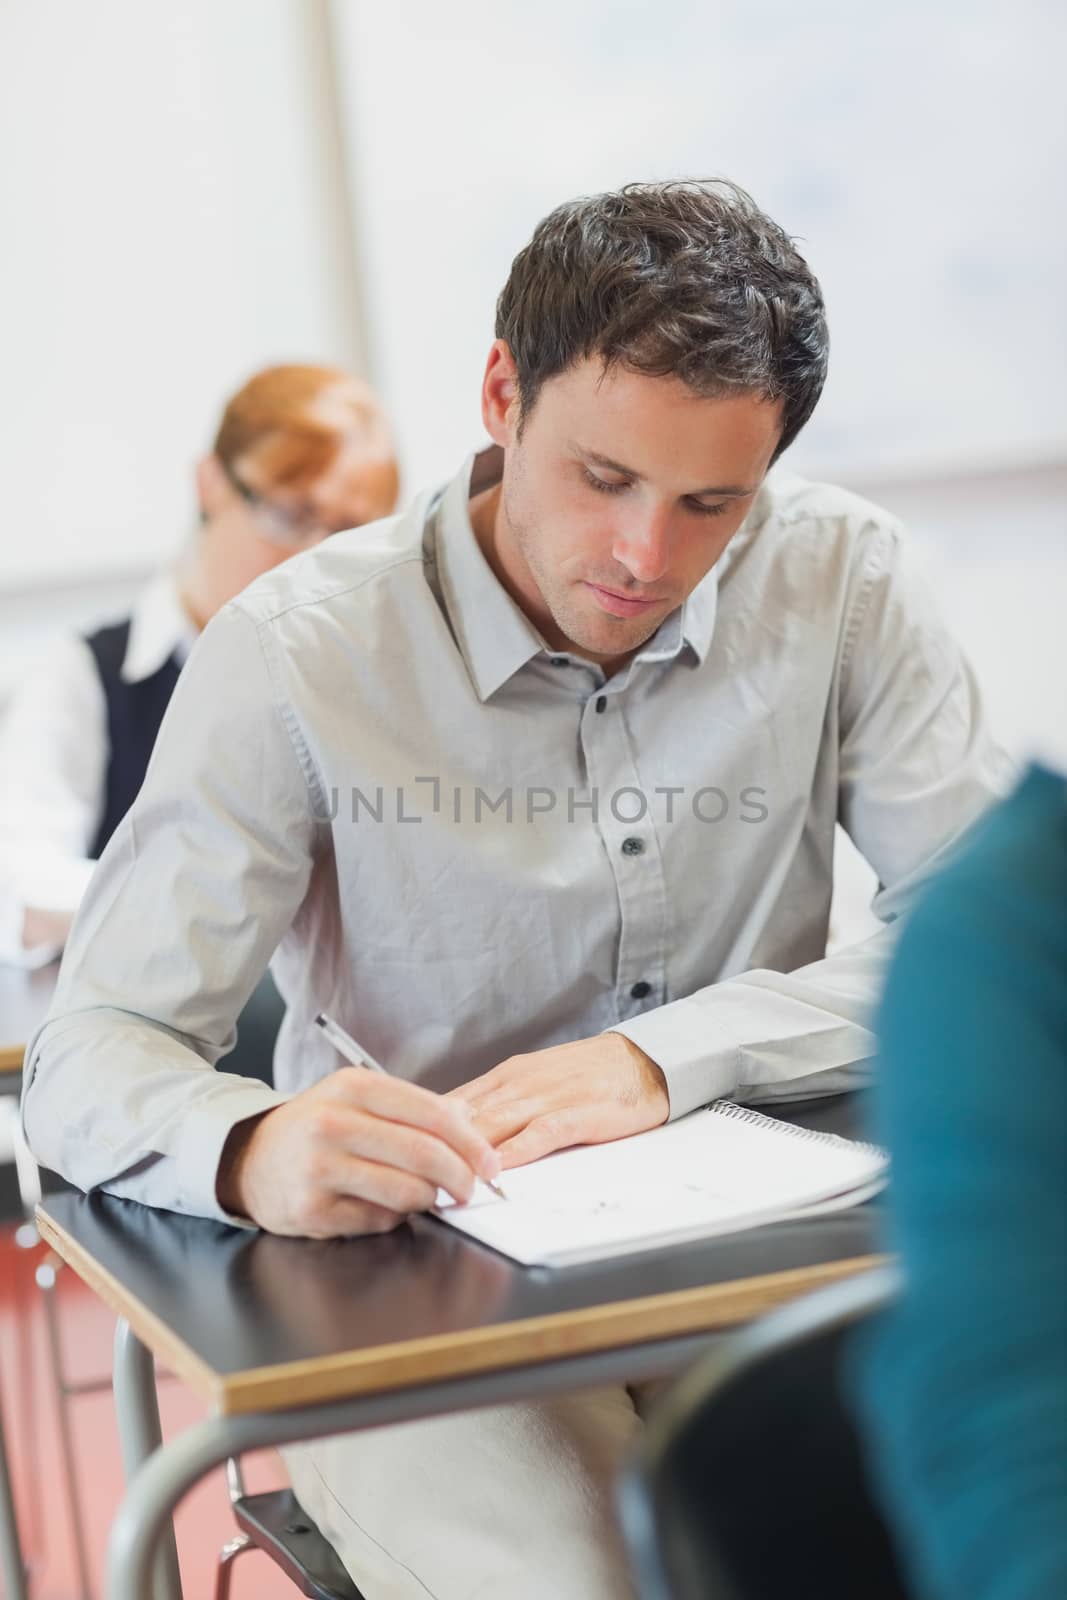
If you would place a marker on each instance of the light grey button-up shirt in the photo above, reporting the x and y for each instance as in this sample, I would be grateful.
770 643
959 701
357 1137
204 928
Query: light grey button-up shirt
464 846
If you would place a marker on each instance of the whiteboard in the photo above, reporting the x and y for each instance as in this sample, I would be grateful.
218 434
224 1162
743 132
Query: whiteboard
917 151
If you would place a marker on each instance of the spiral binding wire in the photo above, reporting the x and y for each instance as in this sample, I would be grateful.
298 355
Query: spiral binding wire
730 1108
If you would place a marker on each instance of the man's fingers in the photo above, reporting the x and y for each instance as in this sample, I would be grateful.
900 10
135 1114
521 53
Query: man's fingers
540 1135
408 1104
502 1119
490 1083
465 1091
476 1090
412 1151
346 1217
385 1186
536 1140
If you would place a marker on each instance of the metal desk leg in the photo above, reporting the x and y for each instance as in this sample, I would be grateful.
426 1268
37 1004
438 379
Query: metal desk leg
175 1467
140 1434
11 1566
155 1490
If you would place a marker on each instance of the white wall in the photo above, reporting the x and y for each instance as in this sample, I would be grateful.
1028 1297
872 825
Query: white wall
997 549
996 554
173 219
917 149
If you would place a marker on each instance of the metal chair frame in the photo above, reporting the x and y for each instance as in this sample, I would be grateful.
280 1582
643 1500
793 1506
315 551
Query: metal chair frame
789 1327
277 1524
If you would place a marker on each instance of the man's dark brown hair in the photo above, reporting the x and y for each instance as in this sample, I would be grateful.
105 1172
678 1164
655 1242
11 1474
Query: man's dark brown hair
683 279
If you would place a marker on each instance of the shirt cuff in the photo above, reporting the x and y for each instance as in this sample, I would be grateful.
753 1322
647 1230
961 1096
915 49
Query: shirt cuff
206 1126
701 1062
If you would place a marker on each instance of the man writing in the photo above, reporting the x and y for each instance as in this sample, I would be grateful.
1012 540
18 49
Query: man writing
536 786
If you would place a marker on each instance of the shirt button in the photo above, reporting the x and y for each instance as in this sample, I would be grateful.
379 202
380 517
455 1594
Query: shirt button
633 847
601 701
639 990
559 661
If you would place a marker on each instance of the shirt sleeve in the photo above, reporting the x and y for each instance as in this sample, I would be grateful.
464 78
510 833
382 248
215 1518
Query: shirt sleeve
916 768
53 754
964 1383
214 857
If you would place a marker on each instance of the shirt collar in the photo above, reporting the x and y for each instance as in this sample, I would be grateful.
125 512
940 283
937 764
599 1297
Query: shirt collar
696 619
159 629
495 636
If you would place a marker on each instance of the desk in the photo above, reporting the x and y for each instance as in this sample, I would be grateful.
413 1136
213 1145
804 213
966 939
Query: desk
24 1001
290 1339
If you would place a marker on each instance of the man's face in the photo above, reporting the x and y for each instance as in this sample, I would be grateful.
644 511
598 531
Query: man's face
619 497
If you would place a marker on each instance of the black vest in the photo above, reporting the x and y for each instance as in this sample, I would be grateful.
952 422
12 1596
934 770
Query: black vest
134 712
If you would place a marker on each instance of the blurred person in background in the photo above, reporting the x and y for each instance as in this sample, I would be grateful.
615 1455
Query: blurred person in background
963 1385
301 452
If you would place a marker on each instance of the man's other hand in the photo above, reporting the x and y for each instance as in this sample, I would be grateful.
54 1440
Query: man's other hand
353 1154
583 1093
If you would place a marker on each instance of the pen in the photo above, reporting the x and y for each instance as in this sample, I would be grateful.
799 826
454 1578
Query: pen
356 1056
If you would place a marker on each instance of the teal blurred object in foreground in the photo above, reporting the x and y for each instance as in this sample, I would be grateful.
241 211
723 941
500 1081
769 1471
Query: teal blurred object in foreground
963 1389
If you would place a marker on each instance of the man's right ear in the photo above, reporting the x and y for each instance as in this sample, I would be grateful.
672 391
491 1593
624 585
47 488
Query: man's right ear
500 395
213 488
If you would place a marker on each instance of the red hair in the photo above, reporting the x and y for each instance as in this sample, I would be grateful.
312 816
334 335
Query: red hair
278 416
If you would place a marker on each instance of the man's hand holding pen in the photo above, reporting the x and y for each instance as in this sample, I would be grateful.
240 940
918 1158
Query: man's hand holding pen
355 1153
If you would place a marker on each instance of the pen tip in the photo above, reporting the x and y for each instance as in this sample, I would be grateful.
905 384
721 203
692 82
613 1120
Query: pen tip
319 1020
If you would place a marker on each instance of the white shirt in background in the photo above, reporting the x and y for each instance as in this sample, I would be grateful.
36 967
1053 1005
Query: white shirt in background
54 754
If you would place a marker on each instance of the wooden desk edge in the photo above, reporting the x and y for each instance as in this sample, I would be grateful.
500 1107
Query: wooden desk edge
381 1368
11 1057
534 1339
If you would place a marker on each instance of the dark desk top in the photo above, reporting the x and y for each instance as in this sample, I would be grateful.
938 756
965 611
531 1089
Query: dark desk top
24 1000
256 1322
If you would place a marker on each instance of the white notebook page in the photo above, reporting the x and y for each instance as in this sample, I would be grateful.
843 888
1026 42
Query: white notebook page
717 1170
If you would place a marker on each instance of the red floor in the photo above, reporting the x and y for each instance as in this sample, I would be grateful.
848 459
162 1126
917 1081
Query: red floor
32 1433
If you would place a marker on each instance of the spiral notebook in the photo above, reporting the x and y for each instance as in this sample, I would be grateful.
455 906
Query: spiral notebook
718 1170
